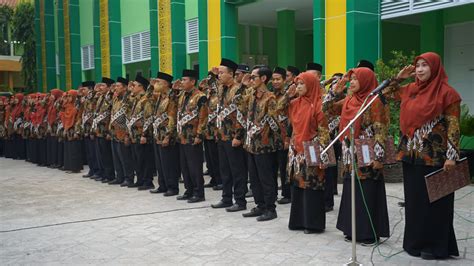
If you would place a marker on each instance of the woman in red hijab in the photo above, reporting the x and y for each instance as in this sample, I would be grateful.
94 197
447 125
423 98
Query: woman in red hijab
308 123
371 125
72 145
429 125
52 126
15 127
40 127
3 131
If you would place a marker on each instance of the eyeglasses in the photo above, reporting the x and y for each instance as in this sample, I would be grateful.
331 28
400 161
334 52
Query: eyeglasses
253 77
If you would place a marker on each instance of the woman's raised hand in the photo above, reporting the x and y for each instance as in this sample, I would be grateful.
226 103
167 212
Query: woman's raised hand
406 72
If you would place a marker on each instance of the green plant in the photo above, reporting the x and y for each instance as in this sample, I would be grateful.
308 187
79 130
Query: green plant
466 121
6 13
23 24
386 70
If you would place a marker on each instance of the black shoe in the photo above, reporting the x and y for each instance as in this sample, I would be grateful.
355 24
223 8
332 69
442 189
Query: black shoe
94 177
236 207
328 208
254 212
184 197
125 184
267 216
170 193
284 201
221 204
146 187
311 231
208 185
86 175
115 182
427 256
249 194
347 238
106 180
158 190
218 187
195 199
132 185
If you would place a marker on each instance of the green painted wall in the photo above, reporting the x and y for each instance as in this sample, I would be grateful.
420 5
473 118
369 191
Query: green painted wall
269 45
432 32
286 37
458 14
391 40
254 39
144 67
86 10
303 48
190 9
135 16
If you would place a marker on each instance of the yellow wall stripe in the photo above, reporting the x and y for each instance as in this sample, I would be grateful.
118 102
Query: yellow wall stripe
67 44
105 38
164 37
43 47
214 32
335 37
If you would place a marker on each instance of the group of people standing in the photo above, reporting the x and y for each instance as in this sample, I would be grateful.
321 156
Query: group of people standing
251 125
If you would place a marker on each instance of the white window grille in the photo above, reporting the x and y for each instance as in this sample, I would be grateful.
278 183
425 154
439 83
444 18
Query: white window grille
136 47
192 36
87 57
393 9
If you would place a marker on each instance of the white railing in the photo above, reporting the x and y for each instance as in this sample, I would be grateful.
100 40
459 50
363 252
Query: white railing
393 9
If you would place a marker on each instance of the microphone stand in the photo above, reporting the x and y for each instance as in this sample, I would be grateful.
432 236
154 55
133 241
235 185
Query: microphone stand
362 109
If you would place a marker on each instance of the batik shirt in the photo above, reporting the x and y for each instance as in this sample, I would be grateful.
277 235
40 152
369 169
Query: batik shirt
3 130
213 103
263 132
140 119
118 118
282 115
434 142
192 116
100 123
164 118
230 119
373 125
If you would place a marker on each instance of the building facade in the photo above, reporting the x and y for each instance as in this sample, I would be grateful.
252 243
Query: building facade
86 39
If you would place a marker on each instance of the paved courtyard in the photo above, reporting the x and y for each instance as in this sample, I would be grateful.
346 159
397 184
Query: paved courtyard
50 217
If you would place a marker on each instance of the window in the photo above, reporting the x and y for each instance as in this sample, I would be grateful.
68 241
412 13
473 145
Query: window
192 36
87 57
136 47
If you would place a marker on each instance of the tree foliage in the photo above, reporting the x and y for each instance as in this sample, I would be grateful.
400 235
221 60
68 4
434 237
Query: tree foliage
386 70
23 25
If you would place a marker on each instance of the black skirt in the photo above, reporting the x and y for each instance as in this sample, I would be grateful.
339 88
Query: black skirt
60 153
376 199
19 147
307 209
428 226
51 151
73 155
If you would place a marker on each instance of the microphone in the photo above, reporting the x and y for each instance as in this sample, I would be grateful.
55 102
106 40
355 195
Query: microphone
380 87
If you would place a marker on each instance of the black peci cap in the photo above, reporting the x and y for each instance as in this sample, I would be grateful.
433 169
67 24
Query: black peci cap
124 81
165 76
190 73
229 63
142 81
314 66
365 63
108 81
88 83
293 70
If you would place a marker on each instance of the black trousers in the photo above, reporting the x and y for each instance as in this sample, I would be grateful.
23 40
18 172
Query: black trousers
123 162
233 172
104 155
142 155
91 156
158 167
282 163
9 142
73 155
170 163
262 178
212 161
191 160
52 150
428 226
